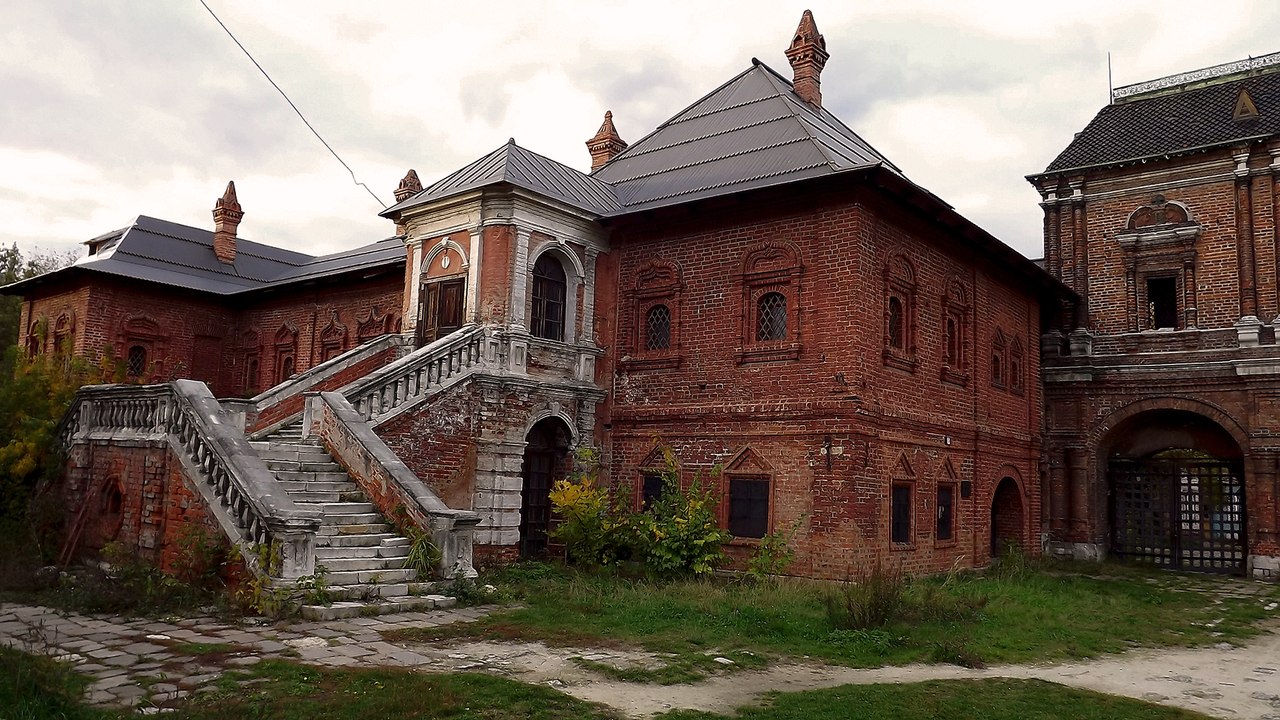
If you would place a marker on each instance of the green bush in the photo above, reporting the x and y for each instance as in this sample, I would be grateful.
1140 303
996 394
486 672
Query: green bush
870 599
677 535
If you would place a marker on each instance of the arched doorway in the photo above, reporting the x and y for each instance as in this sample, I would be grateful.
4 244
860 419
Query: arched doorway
1175 487
1007 517
545 457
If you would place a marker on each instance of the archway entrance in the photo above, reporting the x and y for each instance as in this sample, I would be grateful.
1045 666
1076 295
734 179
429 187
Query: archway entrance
1176 492
1006 517
545 452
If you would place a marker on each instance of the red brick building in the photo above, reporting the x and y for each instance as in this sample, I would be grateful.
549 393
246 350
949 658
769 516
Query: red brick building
1161 400
751 284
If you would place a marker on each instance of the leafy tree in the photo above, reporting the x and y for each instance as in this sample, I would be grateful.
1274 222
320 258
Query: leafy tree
14 266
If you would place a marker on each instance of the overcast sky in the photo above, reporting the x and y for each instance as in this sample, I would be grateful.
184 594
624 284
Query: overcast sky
113 109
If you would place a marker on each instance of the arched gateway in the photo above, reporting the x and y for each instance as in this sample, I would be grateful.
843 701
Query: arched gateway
1176 492
545 456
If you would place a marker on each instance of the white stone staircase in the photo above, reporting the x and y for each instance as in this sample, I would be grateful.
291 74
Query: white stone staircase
362 553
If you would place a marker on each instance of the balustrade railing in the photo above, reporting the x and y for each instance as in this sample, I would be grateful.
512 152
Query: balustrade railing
417 374
239 488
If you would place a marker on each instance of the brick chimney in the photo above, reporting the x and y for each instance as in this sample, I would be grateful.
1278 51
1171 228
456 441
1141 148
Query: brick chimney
410 185
226 218
606 145
808 55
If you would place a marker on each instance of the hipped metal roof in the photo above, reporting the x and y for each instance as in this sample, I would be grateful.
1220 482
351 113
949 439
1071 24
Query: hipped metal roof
751 132
168 253
1174 123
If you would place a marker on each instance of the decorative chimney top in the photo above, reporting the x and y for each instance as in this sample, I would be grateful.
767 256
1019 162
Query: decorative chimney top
226 218
606 144
410 185
808 55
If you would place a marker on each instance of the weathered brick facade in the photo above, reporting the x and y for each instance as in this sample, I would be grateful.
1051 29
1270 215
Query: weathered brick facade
1172 348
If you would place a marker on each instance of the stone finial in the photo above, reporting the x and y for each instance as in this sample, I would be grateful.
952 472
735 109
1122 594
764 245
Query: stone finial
606 144
410 185
226 218
808 55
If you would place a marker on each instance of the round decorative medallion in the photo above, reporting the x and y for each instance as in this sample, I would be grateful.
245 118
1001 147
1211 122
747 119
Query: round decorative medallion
444 260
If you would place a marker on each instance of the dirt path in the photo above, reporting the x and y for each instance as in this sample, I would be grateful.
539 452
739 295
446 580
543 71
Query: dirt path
1222 681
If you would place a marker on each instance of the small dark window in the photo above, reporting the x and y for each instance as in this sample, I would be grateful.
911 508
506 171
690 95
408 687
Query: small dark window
771 318
657 328
251 376
1162 303
549 283
136 361
895 332
946 511
997 367
900 530
651 486
749 507
953 343
1015 372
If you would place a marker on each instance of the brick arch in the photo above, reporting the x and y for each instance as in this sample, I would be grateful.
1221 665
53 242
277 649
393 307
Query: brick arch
1159 212
1102 427
445 245
955 292
562 253
659 274
553 410
897 267
770 256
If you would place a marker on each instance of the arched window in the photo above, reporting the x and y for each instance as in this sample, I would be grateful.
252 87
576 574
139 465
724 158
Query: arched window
657 328
899 313
896 321
549 283
953 343
998 365
136 361
771 317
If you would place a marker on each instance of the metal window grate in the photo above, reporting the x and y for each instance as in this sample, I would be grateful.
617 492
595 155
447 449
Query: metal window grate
549 285
749 507
1178 513
657 328
137 361
771 318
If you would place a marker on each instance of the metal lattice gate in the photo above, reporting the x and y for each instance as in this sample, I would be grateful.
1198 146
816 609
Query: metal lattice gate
1186 514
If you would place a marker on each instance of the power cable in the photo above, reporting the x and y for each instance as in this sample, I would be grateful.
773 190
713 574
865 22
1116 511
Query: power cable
295 107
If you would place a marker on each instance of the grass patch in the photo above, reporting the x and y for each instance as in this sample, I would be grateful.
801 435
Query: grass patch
1019 617
289 691
991 699
676 669
34 687
199 648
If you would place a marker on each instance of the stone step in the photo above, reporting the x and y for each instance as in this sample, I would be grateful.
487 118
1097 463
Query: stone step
354 529
327 497
383 606
370 539
357 564
350 519
297 466
345 508
372 577
295 453
301 476
397 552
334 486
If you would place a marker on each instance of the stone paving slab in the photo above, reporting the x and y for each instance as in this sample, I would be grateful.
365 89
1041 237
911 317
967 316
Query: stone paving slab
129 669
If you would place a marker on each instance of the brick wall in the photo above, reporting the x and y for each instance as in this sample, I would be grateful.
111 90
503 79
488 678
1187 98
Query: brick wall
719 391
135 494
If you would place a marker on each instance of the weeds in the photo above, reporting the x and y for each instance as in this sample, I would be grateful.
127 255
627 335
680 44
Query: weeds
870 599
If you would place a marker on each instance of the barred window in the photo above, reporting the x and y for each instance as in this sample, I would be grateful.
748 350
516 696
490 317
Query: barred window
896 321
549 283
657 328
771 317
136 361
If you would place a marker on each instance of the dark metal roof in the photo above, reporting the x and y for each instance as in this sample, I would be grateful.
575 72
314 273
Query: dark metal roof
522 168
751 132
1170 124
168 253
